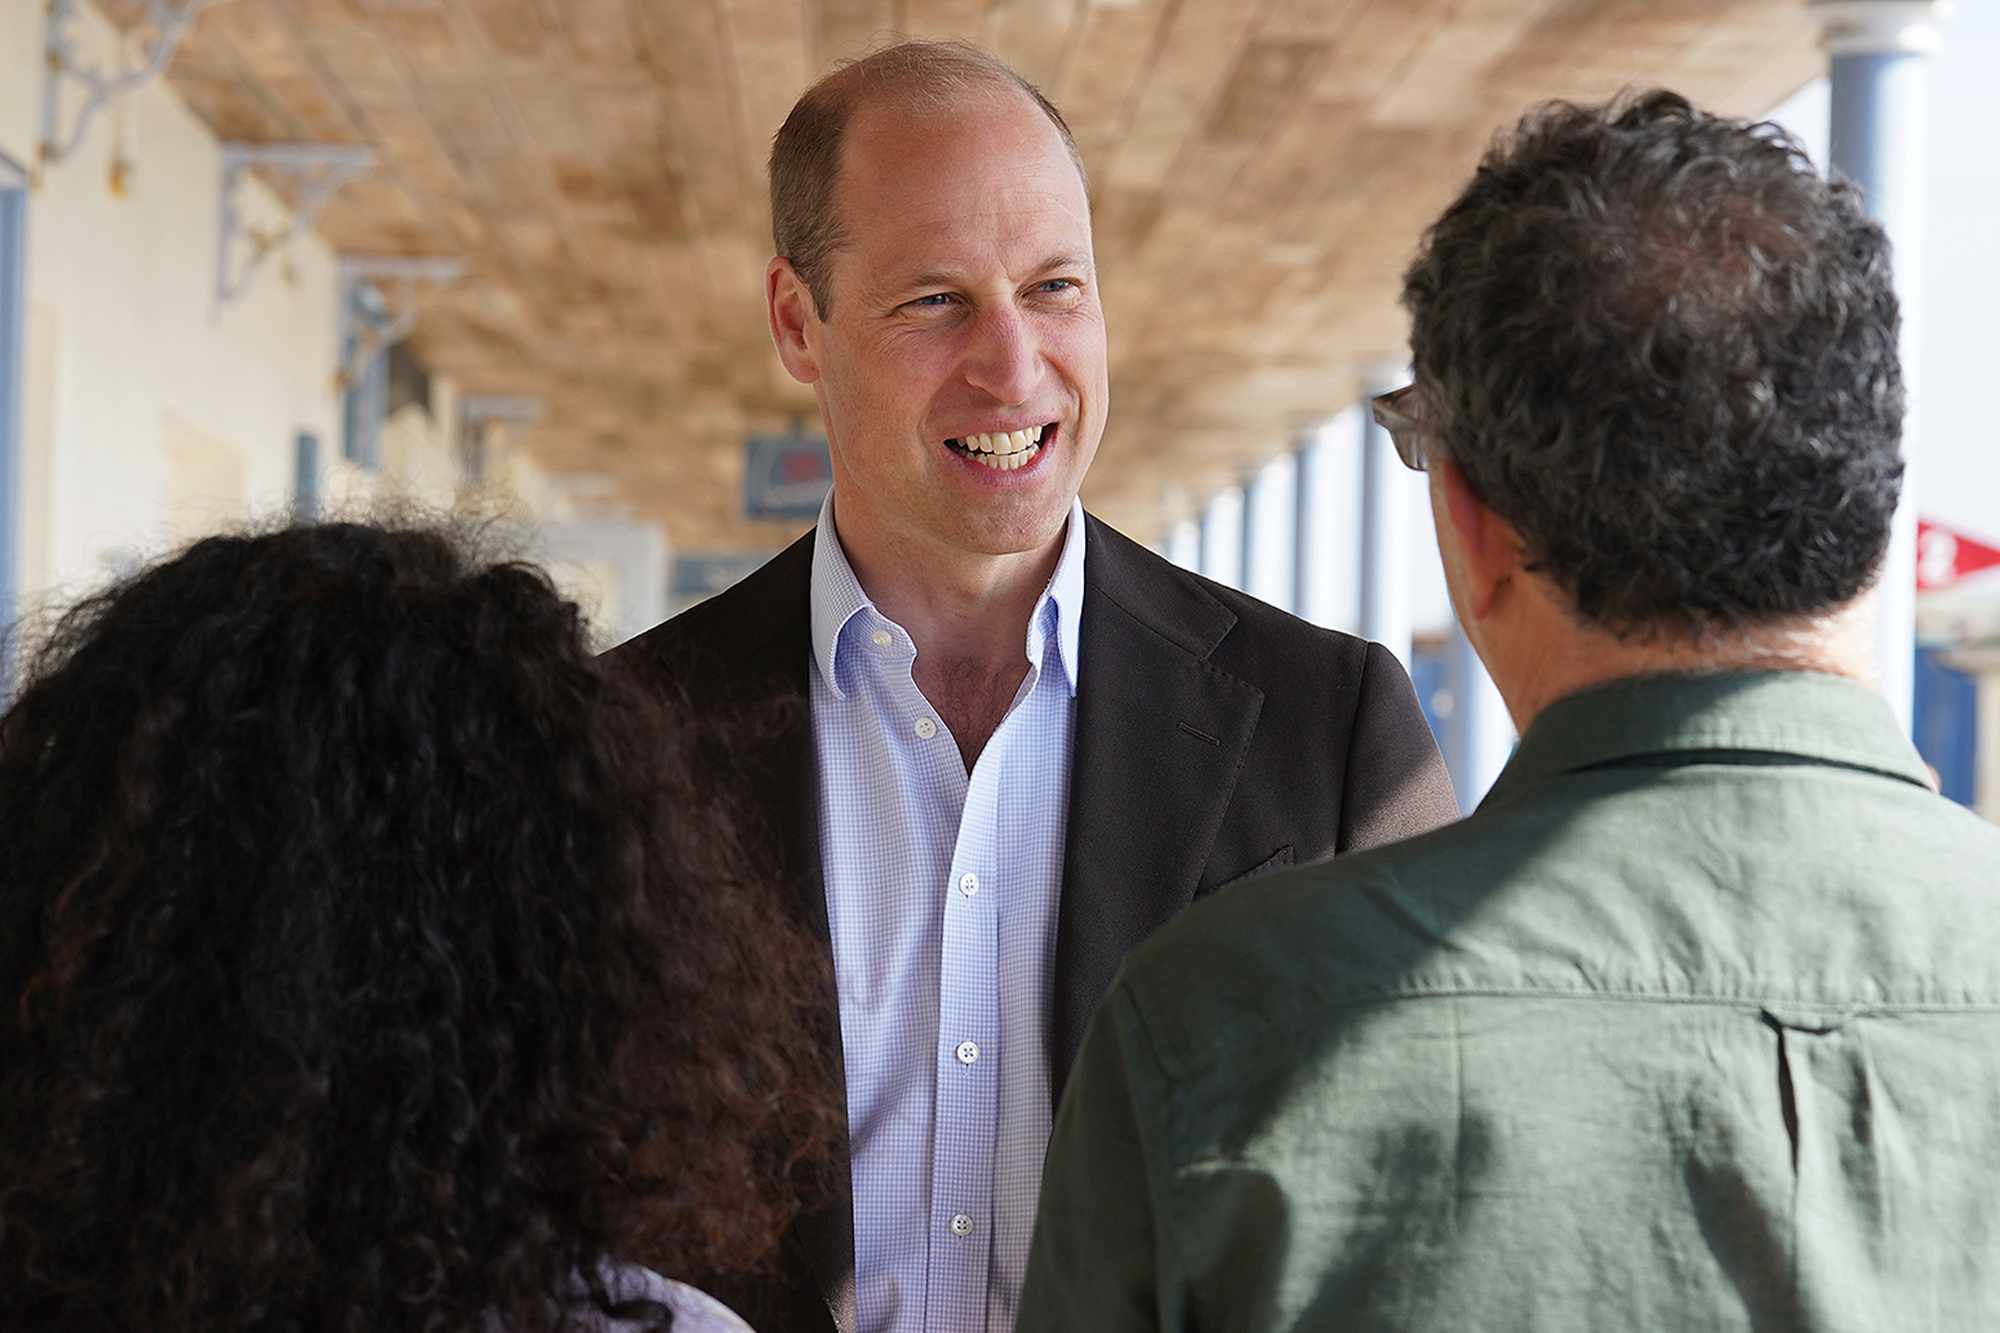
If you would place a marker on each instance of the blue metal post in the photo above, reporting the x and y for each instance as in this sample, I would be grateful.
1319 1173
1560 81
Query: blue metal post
305 477
1880 51
13 329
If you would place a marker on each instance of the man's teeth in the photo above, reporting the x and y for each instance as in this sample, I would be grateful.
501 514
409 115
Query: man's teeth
1004 442
1004 450
1008 462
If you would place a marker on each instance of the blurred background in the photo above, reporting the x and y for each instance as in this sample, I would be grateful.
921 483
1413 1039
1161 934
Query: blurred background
262 257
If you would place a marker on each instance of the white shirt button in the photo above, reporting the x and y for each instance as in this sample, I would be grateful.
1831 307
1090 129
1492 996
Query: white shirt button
961 1225
968 1053
926 728
968 884
881 638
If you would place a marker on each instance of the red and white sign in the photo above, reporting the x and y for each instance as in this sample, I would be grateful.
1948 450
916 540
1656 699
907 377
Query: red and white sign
1945 556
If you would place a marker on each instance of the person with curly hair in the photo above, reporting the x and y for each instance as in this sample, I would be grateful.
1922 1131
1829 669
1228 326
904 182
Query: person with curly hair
1695 1023
372 962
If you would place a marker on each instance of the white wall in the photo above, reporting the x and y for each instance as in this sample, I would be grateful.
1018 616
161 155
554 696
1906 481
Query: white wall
152 414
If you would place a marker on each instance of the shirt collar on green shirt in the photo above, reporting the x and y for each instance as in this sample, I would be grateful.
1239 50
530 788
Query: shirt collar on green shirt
1817 717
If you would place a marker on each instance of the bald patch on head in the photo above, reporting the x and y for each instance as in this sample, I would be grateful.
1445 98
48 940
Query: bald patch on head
807 154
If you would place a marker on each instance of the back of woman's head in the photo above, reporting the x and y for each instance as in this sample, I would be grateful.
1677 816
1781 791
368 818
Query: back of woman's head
371 961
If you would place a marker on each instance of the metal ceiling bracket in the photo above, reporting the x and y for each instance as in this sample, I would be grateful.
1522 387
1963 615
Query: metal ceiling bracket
169 19
478 411
319 170
426 275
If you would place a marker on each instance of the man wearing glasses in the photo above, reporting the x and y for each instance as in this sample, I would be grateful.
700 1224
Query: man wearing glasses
1696 1022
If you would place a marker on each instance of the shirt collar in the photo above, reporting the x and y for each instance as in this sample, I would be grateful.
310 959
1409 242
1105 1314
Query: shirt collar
1814 716
837 597
1066 591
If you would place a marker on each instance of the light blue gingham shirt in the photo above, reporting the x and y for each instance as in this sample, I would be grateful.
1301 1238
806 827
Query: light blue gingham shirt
941 893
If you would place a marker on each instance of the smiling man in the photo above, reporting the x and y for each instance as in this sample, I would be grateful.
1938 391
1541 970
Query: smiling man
995 743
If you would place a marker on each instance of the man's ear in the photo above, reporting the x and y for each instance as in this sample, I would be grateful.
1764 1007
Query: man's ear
1488 548
788 302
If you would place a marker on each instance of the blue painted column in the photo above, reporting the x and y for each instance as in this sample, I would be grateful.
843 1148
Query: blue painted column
1880 52
1386 511
13 330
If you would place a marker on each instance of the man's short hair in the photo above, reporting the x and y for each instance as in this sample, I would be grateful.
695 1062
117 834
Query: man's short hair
805 153
1664 350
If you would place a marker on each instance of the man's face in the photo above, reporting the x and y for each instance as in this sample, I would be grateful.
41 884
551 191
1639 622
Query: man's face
963 309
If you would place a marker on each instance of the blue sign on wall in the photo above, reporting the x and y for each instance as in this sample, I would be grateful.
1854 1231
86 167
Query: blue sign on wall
785 476
695 577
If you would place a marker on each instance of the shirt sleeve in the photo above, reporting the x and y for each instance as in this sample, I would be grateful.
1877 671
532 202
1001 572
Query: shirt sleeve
1096 1262
692 1310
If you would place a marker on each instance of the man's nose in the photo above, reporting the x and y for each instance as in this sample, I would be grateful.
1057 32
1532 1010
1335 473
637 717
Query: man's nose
1005 359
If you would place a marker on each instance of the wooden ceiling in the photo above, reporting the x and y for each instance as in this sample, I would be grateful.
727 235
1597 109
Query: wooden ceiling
1261 170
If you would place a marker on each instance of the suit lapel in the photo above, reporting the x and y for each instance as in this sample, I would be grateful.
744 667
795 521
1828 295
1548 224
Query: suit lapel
772 676
1160 736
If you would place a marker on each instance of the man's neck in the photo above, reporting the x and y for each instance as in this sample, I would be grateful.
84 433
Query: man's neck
958 608
1554 662
967 614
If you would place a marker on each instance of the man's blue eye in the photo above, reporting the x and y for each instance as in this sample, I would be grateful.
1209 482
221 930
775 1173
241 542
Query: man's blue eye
1058 284
935 298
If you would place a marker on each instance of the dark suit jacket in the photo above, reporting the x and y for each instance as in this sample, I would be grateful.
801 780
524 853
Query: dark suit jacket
1216 738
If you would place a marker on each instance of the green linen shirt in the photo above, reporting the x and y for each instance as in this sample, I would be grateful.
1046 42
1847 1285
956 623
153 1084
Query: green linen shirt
1695 1024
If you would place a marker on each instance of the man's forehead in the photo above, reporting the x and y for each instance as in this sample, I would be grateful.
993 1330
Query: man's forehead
995 140
928 194
1012 243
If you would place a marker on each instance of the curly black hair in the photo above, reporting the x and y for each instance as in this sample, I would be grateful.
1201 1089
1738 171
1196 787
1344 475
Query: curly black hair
373 960
1661 347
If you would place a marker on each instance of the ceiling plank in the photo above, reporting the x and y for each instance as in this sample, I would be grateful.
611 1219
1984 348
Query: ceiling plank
940 20
1033 35
1109 60
1203 42
772 51
1261 171
849 29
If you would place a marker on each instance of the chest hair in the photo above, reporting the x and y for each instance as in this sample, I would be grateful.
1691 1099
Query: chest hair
972 699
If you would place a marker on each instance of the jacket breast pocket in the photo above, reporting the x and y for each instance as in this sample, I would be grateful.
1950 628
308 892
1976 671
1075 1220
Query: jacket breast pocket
1277 860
